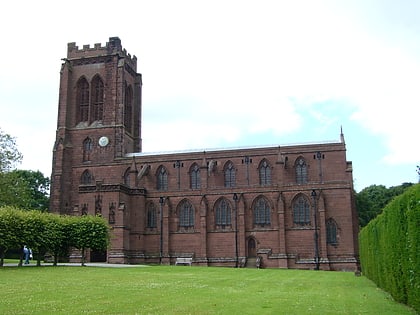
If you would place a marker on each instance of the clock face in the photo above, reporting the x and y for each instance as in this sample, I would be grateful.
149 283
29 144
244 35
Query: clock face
103 141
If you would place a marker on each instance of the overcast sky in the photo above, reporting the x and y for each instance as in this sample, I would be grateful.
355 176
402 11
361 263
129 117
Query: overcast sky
232 73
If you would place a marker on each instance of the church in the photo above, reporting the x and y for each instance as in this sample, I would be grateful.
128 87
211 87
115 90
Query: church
279 206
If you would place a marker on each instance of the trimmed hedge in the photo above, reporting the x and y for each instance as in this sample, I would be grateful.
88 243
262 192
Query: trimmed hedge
47 232
390 248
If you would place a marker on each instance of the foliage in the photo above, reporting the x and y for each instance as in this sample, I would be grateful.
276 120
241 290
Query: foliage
24 189
390 247
371 200
89 232
189 290
49 232
39 187
20 188
9 154
10 223
14 191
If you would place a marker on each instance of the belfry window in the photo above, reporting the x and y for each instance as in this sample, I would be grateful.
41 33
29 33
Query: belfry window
301 211
223 213
97 99
83 99
128 108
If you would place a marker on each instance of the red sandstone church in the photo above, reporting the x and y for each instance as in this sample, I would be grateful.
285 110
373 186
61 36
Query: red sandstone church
275 206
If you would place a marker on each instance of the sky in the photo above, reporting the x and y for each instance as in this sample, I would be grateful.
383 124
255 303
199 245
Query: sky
223 74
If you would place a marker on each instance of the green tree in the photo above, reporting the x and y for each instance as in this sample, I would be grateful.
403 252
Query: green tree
9 154
371 200
10 221
38 186
20 188
14 191
89 232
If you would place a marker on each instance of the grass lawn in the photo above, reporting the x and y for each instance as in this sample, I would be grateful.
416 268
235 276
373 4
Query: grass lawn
188 290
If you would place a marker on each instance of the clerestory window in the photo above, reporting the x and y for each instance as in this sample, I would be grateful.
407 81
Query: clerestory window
265 173
162 179
301 171
195 177
230 175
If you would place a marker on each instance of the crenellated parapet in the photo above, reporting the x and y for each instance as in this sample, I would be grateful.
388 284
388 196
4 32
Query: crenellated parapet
113 47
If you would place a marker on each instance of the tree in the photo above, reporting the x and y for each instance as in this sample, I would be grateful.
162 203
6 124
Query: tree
10 223
371 200
43 232
20 188
14 191
38 186
89 232
9 154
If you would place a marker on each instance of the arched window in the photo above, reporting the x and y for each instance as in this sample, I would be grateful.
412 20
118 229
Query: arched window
87 149
97 99
186 214
162 179
83 99
195 177
301 211
151 216
86 178
111 216
230 175
265 173
127 177
301 171
223 213
262 212
128 108
331 232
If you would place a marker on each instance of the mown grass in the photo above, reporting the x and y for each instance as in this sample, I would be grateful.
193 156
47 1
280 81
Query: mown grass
188 290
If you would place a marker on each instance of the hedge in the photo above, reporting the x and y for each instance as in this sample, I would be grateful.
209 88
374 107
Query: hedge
390 248
44 232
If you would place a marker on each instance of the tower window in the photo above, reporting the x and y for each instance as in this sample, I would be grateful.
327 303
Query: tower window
86 178
128 108
87 149
97 99
83 99
151 216
331 232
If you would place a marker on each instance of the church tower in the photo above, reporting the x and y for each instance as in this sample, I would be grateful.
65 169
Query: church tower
99 115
